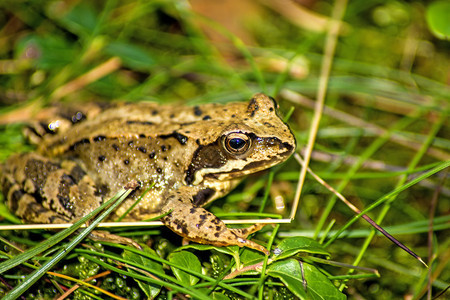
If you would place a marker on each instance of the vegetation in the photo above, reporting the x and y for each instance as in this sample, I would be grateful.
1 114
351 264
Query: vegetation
382 141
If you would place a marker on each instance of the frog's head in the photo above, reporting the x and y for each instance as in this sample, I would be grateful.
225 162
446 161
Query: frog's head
255 140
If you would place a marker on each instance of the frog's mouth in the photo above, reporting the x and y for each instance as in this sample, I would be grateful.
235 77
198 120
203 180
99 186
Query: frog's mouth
250 168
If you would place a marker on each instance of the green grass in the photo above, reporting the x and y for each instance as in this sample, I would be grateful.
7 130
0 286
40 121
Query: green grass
385 123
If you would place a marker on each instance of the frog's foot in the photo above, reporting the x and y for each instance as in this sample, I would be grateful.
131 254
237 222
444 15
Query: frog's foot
245 232
199 225
105 236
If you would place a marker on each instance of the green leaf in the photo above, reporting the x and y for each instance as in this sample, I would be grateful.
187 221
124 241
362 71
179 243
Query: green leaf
150 289
291 246
188 260
230 250
318 286
438 18
250 256
290 273
132 56
81 20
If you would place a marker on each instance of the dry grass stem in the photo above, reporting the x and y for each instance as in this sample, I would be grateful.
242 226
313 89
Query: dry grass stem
98 72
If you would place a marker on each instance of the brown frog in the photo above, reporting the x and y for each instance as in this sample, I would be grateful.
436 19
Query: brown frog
185 156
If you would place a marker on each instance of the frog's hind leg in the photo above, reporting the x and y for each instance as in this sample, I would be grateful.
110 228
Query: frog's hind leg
199 225
41 190
25 207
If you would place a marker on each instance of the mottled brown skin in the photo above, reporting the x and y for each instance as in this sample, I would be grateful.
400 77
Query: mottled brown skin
187 156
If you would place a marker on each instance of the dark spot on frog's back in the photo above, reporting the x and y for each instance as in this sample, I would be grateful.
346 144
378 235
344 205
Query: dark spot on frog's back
197 111
182 139
102 158
99 138
142 149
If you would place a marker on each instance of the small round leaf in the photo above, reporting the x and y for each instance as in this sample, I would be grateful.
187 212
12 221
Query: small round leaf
438 18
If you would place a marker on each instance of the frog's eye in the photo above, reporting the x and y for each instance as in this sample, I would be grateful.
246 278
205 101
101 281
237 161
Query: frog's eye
236 143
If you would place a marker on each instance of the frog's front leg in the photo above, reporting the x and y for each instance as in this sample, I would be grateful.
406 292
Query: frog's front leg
199 225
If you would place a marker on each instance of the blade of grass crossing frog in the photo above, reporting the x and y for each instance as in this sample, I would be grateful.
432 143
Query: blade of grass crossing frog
17 260
34 276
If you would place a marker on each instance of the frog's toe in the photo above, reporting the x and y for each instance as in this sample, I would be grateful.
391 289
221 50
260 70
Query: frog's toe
245 232
250 244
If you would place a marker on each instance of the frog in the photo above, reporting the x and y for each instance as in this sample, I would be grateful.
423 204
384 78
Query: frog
183 158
